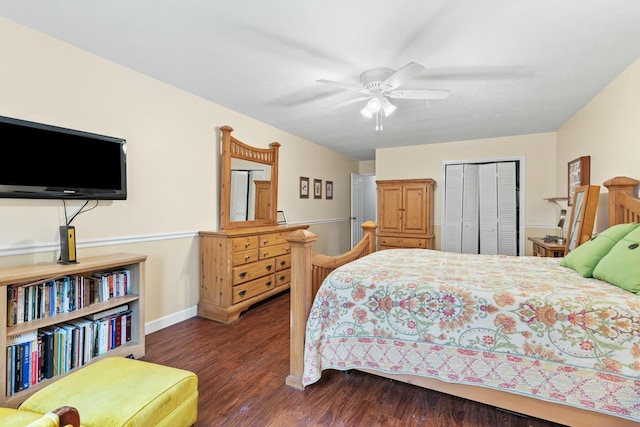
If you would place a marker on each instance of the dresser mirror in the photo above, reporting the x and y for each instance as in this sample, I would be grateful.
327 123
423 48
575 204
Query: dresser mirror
249 183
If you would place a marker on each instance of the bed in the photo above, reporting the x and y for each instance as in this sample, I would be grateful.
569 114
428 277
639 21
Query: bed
556 346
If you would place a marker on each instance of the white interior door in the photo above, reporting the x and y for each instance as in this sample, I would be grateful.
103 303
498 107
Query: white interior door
357 202
238 202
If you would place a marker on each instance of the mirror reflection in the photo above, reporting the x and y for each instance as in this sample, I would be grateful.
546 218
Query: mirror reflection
250 191
577 212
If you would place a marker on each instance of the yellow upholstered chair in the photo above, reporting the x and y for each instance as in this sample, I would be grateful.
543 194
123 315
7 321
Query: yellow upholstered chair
61 417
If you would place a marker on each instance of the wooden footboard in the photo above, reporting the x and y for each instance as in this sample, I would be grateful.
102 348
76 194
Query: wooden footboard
308 270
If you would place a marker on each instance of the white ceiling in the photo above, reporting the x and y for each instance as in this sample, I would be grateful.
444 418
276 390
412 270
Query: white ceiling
512 66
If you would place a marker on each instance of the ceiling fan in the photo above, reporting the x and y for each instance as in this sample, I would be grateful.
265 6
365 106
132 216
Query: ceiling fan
380 84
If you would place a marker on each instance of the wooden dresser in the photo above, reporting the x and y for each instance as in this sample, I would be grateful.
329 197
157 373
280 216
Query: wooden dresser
405 213
240 267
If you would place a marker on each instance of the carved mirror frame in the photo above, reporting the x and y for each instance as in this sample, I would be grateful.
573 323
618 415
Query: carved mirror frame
233 148
583 215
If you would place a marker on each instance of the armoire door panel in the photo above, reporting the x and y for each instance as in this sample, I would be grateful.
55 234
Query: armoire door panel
414 215
390 205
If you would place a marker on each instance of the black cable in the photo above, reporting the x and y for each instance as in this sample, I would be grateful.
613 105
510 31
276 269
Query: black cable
78 212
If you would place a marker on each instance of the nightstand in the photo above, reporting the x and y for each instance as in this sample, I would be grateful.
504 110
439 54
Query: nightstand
546 249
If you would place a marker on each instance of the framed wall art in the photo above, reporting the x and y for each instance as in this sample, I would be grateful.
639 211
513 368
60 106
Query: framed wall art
317 189
579 171
304 187
329 190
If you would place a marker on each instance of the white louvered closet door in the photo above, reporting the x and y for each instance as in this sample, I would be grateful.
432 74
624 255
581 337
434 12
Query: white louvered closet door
488 208
507 207
481 208
470 202
453 208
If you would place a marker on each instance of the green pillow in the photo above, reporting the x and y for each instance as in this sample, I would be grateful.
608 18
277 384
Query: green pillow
621 266
585 257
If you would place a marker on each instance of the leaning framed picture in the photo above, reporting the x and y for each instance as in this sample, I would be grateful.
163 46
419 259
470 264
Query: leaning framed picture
579 171
329 191
317 189
304 187
281 217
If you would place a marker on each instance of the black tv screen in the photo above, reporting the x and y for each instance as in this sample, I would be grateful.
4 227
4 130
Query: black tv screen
41 161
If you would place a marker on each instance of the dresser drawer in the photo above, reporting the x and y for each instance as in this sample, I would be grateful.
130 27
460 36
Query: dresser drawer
402 242
244 243
283 277
244 257
276 250
283 262
244 273
271 239
255 287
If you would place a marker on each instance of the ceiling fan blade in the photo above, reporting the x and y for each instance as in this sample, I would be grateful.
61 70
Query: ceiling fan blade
345 86
418 94
347 102
399 77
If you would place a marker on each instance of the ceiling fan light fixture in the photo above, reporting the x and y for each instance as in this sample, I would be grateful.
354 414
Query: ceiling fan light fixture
365 112
374 105
387 107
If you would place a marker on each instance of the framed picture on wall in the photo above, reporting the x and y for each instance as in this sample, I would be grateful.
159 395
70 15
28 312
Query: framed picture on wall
329 190
304 187
317 189
579 171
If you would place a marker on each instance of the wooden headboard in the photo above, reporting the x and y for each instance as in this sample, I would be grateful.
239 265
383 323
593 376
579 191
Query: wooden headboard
623 206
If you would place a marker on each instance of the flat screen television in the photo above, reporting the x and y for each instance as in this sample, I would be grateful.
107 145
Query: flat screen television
40 161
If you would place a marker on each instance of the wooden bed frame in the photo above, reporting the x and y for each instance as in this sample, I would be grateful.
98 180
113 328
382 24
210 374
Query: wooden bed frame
308 270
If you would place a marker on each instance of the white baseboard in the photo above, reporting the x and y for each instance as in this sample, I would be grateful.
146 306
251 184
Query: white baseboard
171 319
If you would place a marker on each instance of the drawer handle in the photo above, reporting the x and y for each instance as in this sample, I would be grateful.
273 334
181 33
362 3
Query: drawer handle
265 254
268 283
268 267
242 293
288 249
243 274
265 241
246 245
247 257
283 263
282 278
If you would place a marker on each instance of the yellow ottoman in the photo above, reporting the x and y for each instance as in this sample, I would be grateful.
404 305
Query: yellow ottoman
118 392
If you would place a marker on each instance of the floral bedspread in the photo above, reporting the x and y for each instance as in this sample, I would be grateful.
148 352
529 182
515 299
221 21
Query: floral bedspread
523 324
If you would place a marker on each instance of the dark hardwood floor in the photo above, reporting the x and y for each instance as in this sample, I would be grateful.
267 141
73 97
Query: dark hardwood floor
242 366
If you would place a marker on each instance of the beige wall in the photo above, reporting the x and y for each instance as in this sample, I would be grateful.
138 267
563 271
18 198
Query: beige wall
173 165
608 130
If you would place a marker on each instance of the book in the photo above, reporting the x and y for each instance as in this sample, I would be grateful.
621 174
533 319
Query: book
49 351
22 337
108 313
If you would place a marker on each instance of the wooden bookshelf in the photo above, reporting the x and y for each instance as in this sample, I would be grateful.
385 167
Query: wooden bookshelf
49 271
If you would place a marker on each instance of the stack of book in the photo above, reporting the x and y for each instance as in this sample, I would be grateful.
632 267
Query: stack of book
54 350
46 298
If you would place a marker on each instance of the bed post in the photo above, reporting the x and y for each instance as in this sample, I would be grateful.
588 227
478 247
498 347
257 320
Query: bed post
301 243
620 192
369 228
